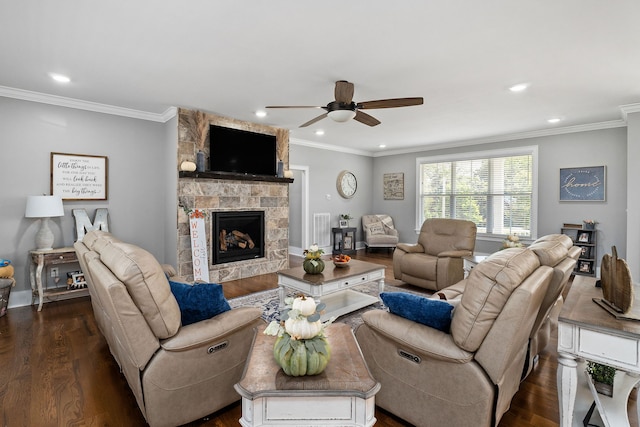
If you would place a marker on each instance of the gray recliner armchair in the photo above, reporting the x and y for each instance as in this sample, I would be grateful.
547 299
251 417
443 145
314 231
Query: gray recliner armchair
379 232
435 261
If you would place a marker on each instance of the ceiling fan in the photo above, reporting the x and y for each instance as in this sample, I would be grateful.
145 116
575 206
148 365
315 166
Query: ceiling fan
343 108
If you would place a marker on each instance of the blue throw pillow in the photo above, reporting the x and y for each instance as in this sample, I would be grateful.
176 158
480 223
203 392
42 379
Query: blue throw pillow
199 301
431 312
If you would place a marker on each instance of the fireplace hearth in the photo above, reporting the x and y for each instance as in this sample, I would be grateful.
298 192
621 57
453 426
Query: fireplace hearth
237 236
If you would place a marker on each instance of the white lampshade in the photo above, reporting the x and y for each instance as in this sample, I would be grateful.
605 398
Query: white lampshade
44 207
341 115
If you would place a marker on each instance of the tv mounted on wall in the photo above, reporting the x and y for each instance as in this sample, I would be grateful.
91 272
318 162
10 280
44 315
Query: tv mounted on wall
240 151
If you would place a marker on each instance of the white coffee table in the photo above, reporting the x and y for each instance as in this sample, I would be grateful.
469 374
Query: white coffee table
332 286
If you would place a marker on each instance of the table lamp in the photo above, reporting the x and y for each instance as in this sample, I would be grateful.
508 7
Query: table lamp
44 207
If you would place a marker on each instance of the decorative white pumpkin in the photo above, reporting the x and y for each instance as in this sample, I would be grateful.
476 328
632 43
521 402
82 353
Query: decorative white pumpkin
305 305
302 329
187 166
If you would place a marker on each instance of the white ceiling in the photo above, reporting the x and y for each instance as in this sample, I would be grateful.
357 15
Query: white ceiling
232 58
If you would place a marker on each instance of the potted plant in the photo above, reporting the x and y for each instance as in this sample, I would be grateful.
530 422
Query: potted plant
346 217
602 377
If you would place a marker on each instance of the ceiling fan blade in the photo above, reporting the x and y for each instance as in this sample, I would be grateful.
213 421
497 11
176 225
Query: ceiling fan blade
366 119
390 103
312 121
344 91
293 106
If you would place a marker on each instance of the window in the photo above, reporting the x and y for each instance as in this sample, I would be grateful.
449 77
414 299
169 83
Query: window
495 189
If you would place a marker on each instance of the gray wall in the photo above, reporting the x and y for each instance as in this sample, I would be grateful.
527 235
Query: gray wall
136 150
295 210
633 195
324 167
601 147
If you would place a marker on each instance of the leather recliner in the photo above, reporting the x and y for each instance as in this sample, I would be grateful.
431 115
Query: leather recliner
435 261
177 373
467 376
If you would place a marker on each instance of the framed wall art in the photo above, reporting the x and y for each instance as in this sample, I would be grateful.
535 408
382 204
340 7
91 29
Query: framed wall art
79 176
586 184
393 186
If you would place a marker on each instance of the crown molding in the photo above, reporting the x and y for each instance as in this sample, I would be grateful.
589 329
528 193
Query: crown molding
78 104
509 137
628 109
341 149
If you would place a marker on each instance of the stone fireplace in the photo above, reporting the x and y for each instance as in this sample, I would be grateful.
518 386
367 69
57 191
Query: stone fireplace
215 194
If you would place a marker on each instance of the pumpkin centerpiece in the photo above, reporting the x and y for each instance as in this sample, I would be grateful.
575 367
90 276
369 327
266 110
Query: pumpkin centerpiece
313 263
301 347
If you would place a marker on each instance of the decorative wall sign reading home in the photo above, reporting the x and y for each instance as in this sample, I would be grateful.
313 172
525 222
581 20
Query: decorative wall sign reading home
79 177
583 184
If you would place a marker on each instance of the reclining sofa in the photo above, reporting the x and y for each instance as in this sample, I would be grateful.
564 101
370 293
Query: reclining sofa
468 375
176 373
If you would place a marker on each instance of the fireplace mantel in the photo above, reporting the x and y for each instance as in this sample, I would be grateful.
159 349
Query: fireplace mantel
233 176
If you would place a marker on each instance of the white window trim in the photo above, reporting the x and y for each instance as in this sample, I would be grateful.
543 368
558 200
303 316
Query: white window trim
502 152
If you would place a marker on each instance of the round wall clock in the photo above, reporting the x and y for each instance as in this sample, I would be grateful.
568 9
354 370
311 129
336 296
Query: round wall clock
347 184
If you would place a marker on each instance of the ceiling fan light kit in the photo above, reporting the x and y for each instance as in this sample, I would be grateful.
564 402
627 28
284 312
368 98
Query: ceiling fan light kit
343 109
341 115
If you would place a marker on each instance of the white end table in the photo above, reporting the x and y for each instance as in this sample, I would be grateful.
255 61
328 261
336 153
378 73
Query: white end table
342 395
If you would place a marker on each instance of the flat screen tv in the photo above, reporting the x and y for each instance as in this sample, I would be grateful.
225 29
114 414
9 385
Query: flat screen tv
241 151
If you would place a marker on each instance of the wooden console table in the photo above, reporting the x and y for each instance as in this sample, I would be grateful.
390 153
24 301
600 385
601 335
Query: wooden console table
588 332
41 260
342 395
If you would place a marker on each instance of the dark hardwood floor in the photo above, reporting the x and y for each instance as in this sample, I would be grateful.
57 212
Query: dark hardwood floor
56 369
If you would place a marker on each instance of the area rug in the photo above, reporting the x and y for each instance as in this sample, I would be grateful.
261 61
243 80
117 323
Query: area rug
268 301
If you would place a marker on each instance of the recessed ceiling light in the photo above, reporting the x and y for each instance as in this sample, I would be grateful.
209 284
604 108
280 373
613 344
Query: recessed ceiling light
60 78
519 87
554 120
382 146
261 113
319 132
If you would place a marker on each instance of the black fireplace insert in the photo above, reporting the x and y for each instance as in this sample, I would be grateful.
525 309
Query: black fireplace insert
237 236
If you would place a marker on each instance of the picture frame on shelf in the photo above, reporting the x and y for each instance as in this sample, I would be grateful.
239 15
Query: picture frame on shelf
586 252
343 223
585 266
347 243
78 281
584 237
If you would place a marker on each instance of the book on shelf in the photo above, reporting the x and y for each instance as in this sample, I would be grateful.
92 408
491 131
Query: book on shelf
568 225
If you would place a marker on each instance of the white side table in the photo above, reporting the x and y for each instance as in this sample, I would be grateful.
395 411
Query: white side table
588 332
469 262
342 395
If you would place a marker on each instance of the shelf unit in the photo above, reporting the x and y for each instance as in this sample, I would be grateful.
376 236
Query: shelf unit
587 239
344 240
40 263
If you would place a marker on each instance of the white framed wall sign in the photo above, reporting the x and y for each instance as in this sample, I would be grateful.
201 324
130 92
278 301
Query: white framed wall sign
79 176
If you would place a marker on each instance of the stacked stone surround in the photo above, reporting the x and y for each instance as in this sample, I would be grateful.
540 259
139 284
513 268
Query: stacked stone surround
214 195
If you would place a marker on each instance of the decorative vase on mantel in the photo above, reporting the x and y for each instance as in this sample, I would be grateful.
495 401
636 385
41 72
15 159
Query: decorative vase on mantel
313 265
